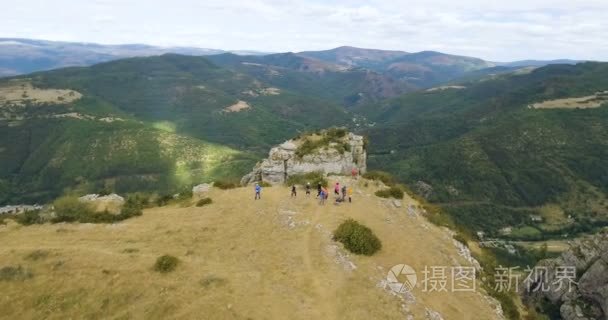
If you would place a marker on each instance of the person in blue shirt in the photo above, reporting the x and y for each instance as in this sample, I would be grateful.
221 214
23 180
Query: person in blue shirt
258 191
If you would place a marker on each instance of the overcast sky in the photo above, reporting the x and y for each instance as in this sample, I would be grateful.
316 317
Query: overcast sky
501 31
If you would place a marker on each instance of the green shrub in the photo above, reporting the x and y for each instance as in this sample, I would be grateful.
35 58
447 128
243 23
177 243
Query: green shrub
185 194
357 238
166 263
29 217
15 274
460 238
37 255
313 178
394 192
265 184
203 202
164 200
70 209
385 177
105 191
329 136
225 184
132 208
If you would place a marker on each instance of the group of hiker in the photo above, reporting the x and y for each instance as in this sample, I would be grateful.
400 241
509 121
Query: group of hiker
342 193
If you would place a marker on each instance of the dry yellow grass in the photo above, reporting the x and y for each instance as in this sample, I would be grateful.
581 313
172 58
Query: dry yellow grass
240 259
593 101
18 92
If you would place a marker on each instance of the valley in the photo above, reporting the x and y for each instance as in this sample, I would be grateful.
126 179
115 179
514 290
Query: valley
511 158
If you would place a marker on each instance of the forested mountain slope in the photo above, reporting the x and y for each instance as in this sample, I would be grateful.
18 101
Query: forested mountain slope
161 122
493 157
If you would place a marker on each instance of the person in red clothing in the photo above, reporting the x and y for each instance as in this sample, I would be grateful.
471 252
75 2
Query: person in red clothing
354 172
337 188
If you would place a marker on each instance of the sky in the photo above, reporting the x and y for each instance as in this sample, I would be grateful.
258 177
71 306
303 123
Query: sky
493 30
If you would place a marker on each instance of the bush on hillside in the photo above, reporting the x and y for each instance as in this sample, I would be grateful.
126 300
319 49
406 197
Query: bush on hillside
29 217
265 184
357 238
164 200
166 263
313 178
18 273
329 136
385 177
394 192
225 184
105 191
204 202
460 238
70 209
132 207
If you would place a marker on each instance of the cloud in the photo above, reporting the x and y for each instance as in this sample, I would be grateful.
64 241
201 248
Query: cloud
499 31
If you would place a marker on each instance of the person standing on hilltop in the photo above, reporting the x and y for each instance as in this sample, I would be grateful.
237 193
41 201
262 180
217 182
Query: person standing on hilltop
258 191
343 193
354 173
293 191
319 189
350 194
322 195
307 188
337 188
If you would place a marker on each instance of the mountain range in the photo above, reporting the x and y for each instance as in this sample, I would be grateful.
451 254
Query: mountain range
420 69
516 151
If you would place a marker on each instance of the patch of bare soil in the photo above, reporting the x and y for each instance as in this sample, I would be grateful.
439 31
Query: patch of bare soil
445 88
238 107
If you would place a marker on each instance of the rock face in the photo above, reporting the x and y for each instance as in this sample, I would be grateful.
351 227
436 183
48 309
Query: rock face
283 160
588 296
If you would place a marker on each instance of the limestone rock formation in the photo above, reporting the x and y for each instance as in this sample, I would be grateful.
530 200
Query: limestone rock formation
587 297
326 152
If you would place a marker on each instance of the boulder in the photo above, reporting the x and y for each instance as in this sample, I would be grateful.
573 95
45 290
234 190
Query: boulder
201 189
112 202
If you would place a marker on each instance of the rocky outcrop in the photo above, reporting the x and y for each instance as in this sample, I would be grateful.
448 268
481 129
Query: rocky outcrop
587 297
285 160
201 189
111 203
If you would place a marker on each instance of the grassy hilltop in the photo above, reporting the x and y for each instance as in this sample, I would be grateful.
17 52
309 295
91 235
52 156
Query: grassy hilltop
236 258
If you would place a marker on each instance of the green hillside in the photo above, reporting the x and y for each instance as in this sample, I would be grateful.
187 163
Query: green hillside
41 159
158 123
191 93
492 161
315 78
